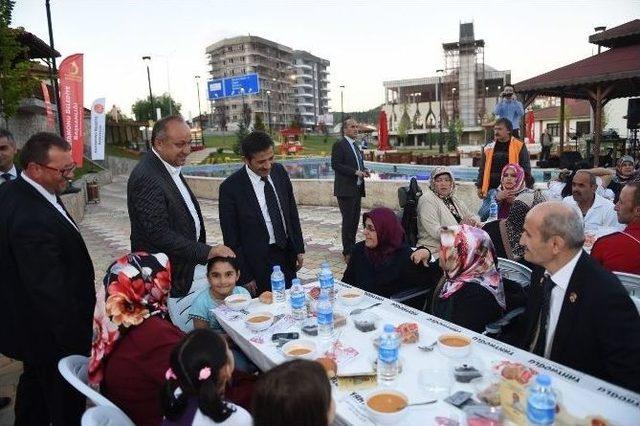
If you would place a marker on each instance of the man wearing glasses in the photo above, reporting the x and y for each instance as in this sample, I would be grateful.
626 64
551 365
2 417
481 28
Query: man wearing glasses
47 286
511 109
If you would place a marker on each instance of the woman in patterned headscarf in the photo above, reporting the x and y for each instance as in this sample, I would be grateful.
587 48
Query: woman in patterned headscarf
440 207
471 293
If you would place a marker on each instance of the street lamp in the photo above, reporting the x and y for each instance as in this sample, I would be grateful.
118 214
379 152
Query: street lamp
599 30
54 72
244 114
147 60
199 110
342 110
440 139
269 109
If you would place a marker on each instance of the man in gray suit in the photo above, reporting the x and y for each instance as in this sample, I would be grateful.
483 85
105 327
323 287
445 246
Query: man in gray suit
165 215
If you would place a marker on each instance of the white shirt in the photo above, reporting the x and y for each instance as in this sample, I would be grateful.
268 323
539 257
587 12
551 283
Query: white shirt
352 144
174 172
49 197
258 188
12 171
600 215
561 279
240 417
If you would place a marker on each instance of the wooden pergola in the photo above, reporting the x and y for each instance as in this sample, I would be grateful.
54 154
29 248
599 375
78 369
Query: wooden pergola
614 73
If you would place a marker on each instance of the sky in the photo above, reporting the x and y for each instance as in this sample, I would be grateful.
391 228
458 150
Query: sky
367 41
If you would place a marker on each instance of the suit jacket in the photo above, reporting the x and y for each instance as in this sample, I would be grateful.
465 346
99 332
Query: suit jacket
161 221
344 164
598 332
47 281
243 227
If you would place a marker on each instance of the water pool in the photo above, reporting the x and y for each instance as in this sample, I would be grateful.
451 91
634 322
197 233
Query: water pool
320 168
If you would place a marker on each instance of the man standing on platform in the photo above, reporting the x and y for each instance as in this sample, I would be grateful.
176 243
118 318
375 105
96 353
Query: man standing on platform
577 314
259 216
165 215
511 109
47 287
8 150
348 184
546 141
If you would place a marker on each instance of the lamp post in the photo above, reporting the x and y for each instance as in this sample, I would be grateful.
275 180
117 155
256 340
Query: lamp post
244 115
146 60
440 140
54 75
342 110
199 110
269 109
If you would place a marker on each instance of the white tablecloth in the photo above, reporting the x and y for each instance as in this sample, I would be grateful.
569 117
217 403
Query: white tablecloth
581 394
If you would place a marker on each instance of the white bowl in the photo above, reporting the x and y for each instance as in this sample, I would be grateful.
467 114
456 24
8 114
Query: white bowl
383 418
350 296
306 346
454 351
259 325
237 302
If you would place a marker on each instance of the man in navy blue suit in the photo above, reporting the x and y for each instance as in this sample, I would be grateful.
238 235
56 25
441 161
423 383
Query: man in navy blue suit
8 150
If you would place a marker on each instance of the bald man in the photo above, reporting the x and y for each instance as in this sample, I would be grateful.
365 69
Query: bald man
578 314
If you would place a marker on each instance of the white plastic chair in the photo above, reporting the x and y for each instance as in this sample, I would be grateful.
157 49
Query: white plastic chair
74 370
514 271
179 306
105 416
631 283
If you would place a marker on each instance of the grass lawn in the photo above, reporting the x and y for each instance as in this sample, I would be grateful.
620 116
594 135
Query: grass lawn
119 151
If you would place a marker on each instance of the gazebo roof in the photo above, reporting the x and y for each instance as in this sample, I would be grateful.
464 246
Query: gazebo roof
619 65
36 47
622 35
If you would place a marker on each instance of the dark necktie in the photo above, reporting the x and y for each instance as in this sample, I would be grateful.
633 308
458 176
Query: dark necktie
358 157
274 213
7 177
543 321
59 201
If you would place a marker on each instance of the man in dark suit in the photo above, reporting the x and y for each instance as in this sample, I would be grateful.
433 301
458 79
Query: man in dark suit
259 216
165 215
8 150
348 184
578 314
47 285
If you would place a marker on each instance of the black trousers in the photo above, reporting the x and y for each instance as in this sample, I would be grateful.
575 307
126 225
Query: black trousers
286 258
546 152
44 397
350 211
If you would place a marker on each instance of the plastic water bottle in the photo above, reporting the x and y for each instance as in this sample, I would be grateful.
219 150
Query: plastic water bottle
325 316
541 402
388 353
277 285
297 299
326 281
493 210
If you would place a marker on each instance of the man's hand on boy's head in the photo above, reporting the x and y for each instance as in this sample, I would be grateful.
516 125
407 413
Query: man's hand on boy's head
251 287
221 251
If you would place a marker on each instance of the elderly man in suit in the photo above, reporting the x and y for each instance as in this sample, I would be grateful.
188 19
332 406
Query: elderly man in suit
165 215
8 170
47 285
578 314
348 184
259 216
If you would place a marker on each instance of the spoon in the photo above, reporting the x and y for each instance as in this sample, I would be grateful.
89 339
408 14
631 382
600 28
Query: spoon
419 403
360 310
428 348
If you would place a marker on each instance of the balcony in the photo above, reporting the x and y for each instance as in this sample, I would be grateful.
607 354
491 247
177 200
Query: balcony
308 113
303 85
305 104
303 66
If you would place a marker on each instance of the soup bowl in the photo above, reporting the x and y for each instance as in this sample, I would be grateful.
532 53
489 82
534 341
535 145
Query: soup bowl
454 345
350 296
237 302
259 321
299 349
386 406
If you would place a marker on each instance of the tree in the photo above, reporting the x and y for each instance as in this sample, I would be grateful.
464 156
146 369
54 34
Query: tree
221 116
241 133
258 124
246 115
296 122
455 134
403 126
16 81
142 107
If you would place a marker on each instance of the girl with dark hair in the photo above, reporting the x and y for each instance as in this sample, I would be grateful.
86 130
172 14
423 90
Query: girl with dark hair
294 393
201 366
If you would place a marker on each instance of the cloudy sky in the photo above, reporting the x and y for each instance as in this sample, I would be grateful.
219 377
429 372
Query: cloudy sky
366 41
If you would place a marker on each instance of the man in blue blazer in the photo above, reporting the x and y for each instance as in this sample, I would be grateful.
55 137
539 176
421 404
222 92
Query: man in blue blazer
259 216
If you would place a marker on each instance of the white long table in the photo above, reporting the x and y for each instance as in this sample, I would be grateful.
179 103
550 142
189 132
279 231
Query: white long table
582 395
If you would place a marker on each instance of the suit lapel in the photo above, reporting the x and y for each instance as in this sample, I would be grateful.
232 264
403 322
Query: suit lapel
196 204
570 307
347 146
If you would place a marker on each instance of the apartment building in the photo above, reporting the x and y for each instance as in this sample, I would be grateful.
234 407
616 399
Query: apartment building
310 87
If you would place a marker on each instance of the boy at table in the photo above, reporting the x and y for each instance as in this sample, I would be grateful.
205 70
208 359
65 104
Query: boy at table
222 273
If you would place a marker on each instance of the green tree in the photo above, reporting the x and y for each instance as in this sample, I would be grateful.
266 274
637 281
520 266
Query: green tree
16 81
142 107
241 133
403 126
296 122
455 134
258 124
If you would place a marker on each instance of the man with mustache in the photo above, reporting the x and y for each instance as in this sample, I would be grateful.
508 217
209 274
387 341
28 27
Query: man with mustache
596 211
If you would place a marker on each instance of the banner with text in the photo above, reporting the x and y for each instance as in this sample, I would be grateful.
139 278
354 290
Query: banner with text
97 129
47 105
71 104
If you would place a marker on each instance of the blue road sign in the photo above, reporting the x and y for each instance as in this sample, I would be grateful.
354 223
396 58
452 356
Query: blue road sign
234 86
215 89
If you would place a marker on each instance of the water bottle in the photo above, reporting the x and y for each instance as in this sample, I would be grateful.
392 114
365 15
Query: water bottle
388 352
326 281
277 285
325 316
541 402
493 210
297 299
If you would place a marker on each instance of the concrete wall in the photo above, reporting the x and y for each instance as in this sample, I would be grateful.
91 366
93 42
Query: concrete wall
75 203
320 192
120 165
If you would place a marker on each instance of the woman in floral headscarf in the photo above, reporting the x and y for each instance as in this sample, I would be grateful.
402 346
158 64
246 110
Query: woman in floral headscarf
471 293
440 207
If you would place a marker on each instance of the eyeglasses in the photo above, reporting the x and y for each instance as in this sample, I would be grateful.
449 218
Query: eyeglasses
63 172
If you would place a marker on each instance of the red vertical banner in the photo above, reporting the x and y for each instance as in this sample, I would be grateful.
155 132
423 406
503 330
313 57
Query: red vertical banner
71 104
47 105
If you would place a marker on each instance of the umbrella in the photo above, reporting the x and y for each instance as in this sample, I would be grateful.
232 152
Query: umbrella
383 132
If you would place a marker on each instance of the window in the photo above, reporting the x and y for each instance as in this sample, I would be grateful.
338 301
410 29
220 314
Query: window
583 127
554 129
